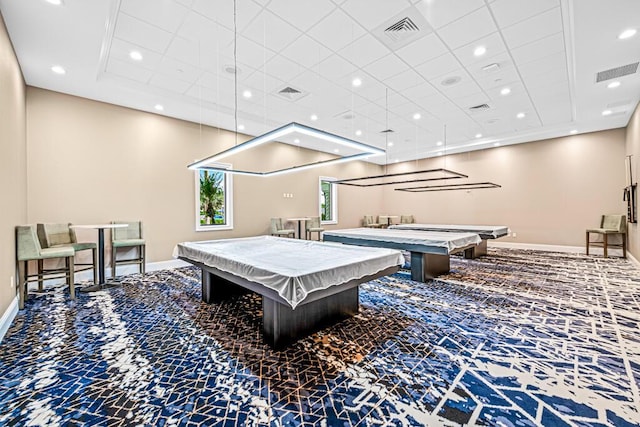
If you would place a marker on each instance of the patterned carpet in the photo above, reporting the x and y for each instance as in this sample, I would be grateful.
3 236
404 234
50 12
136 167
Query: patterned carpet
516 338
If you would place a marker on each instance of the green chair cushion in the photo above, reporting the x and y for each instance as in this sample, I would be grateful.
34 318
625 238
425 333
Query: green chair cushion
77 246
604 231
56 252
315 229
127 243
285 231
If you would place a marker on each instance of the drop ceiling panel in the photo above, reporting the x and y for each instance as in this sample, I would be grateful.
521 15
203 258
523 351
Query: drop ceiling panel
179 70
336 31
386 67
127 70
470 27
306 51
439 13
271 31
283 68
422 50
364 51
185 51
535 28
302 14
509 12
404 80
167 15
142 34
372 13
335 68
251 53
442 66
493 43
205 31
222 11
539 49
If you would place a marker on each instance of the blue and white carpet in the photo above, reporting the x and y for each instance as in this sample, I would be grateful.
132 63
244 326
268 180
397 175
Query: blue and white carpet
517 338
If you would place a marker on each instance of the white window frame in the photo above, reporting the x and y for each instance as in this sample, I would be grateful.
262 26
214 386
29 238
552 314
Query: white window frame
228 201
334 199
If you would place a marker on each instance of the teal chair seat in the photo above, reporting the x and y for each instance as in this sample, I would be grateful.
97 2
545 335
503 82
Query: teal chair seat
128 242
61 235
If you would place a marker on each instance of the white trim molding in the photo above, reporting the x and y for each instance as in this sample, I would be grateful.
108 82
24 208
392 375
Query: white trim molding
8 316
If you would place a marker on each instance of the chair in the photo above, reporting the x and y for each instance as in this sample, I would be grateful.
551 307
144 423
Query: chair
129 237
28 249
313 226
407 219
63 236
277 228
610 225
369 222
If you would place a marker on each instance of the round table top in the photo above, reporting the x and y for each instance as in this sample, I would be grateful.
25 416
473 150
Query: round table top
302 218
99 226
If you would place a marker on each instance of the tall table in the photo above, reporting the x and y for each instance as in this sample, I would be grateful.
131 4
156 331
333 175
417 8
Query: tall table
299 220
387 218
101 267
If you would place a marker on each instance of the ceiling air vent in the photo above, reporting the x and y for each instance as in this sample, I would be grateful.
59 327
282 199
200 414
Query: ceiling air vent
614 73
290 93
387 131
480 107
405 27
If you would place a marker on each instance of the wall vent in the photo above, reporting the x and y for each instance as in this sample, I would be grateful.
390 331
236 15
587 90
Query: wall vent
617 72
290 93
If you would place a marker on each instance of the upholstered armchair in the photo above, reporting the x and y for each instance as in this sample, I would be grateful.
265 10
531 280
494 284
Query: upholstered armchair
313 225
407 219
368 221
28 249
127 238
63 236
277 228
610 225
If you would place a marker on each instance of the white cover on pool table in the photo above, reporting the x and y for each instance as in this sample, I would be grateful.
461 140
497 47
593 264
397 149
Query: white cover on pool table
292 267
490 230
451 241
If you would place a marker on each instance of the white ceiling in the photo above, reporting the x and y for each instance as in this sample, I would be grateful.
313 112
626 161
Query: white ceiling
548 53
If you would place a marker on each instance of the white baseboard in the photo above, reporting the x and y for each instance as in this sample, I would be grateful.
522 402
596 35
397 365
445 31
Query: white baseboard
8 316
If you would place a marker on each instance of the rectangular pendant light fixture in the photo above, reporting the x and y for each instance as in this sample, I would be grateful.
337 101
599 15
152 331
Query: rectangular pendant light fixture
370 181
293 127
450 187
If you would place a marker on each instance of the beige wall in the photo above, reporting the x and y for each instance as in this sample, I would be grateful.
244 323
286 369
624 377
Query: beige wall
91 162
13 179
552 190
633 148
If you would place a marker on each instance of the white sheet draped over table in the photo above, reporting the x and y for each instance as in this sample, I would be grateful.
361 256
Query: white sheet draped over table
293 268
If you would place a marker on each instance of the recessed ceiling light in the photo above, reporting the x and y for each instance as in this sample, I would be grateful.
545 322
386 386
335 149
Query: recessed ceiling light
159 107
417 116
439 143
396 161
335 150
505 91
607 112
314 117
297 141
613 85
390 144
240 127
247 94
573 131
520 115
232 69
478 135
135 55
356 82
496 144
358 132
479 51
58 69
439 153
56 2
627 33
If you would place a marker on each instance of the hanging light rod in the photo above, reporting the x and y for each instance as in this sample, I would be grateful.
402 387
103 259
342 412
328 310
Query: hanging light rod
447 174
290 128
450 187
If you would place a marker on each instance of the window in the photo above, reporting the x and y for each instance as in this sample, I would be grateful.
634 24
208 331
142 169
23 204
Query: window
214 205
328 200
